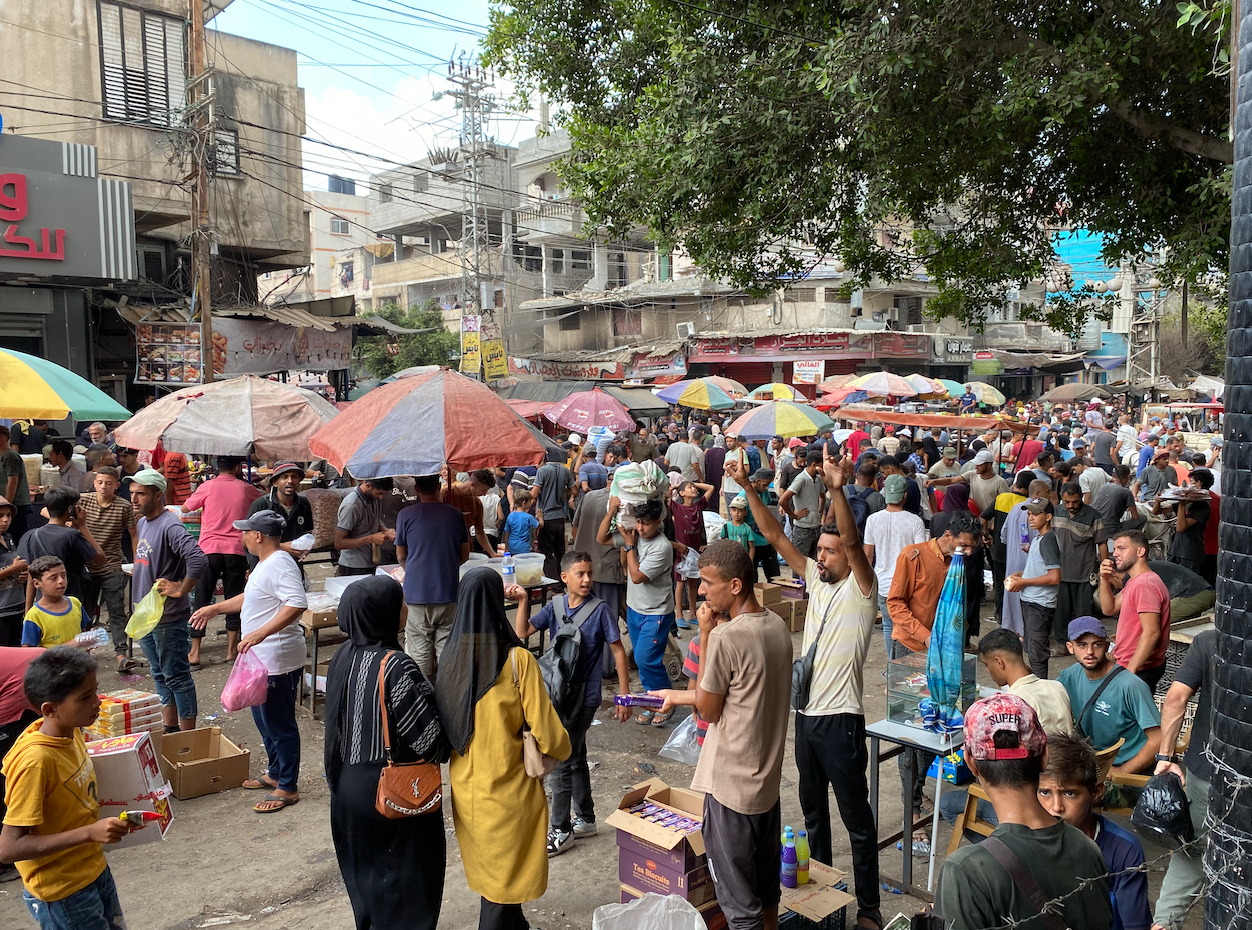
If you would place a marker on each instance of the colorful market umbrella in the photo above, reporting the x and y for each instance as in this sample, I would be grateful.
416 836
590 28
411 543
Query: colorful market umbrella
834 383
1074 390
780 418
926 387
586 409
700 393
35 388
844 395
941 712
955 388
248 415
985 393
884 384
414 426
729 385
776 390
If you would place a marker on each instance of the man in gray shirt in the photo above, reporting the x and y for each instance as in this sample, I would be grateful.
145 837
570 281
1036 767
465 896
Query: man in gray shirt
1157 477
554 483
358 528
686 458
802 502
1102 442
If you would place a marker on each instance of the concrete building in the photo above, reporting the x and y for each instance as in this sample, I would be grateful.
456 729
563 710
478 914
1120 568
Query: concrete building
113 76
338 223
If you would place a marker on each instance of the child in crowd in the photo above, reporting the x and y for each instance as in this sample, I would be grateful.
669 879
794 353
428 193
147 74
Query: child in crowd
571 782
1068 789
54 619
51 828
1037 583
687 506
521 528
738 528
12 580
649 563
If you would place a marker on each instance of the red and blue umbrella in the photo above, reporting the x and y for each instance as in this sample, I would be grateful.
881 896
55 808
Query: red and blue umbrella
415 426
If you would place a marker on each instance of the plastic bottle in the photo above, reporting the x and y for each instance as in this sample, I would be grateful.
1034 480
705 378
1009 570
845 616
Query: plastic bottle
1025 537
802 858
787 834
508 569
788 872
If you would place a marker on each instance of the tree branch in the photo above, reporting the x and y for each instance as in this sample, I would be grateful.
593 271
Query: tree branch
1185 140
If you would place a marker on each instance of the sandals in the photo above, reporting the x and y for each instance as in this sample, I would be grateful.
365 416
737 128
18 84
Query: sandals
659 719
259 784
277 800
644 718
126 667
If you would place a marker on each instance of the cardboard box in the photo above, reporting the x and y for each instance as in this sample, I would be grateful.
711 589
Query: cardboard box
768 594
323 669
818 899
714 919
687 847
128 778
799 611
792 587
320 619
644 874
202 761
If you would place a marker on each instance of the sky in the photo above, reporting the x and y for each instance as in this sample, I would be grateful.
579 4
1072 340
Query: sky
370 70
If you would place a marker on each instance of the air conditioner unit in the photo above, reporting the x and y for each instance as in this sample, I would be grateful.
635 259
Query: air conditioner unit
686 330
894 314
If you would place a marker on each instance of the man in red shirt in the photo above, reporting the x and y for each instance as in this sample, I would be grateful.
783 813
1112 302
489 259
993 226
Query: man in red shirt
1142 608
853 442
1025 452
224 500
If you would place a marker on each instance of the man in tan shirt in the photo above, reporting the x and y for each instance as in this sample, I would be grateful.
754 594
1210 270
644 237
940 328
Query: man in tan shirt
743 691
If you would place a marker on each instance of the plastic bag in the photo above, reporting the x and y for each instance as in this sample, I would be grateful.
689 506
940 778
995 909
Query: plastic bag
654 911
147 614
1163 807
681 745
304 543
247 685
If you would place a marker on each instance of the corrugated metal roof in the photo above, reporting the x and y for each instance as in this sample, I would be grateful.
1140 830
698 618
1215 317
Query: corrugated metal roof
641 291
174 313
659 348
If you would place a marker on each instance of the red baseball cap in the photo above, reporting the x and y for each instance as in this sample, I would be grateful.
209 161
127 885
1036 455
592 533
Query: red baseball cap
1003 713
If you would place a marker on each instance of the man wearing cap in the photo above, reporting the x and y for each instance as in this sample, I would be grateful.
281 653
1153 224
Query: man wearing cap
890 442
764 556
969 400
284 499
1006 749
887 533
1123 709
945 469
734 453
1156 478
802 502
222 500
167 558
270 608
984 484
1151 444
1037 583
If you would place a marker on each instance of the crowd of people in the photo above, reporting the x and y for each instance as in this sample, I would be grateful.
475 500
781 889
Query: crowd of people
435 671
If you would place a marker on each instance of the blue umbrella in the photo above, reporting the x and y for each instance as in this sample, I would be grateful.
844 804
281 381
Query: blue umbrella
941 712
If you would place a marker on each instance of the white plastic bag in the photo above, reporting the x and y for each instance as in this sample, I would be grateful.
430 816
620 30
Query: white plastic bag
681 745
304 543
651 911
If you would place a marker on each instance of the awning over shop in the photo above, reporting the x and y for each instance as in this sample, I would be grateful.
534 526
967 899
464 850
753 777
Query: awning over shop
927 420
529 409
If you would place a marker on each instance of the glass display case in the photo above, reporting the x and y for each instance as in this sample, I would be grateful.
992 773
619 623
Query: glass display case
906 686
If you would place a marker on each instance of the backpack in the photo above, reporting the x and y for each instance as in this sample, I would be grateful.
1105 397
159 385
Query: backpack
558 663
860 506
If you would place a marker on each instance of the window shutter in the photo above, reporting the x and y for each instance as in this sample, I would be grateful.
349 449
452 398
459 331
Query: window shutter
175 68
143 65
137 105
114 83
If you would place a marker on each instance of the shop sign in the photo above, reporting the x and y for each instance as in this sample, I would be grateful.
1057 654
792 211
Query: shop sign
494 362
319 350
808 371
568 371
57 218
167 353
986 363
471 351
902 345
170 353
954 350
781 347
643 366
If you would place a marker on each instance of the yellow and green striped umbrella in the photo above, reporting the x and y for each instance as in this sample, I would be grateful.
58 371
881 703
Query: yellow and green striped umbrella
34 388
781 418
700 393
776 390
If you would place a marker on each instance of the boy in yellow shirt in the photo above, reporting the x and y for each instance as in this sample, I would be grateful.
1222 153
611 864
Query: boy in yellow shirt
51 830
54 619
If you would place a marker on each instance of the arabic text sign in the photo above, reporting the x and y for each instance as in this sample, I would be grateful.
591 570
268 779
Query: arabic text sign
572 371
495 364
807 371
14 206
471 352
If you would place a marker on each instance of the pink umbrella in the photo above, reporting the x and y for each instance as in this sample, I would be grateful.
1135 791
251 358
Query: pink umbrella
586 409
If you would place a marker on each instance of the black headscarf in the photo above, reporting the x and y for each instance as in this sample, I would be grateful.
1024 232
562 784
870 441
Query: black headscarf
369 612
478 647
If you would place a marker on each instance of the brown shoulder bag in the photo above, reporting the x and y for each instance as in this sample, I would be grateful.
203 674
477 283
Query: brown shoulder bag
409 788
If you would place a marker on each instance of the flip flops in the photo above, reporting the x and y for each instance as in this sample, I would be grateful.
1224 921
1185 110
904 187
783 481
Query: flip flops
644 718
272 799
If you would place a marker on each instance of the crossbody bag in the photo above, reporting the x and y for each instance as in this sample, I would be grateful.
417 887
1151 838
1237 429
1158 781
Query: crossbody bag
802 668
536 762
405 789
1086 708
1025 883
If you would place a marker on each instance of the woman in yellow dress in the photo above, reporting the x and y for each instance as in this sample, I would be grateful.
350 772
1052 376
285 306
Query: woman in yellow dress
488 687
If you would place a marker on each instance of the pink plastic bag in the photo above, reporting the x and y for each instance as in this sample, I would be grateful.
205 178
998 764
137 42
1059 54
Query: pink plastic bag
247 685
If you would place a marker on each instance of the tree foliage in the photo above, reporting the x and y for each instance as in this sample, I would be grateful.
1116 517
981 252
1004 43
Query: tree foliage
957 136
385 355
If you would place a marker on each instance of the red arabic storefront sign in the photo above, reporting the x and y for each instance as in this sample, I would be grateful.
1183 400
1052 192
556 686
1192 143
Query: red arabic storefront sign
568 371
787 346
13 209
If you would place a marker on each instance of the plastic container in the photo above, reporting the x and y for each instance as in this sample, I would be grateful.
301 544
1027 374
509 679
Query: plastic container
788 873
529 568
337 584
802 858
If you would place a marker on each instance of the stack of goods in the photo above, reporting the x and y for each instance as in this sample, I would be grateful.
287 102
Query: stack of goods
325 504
126 711
793 602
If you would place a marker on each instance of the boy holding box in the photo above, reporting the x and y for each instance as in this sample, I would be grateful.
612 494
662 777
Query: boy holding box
51 830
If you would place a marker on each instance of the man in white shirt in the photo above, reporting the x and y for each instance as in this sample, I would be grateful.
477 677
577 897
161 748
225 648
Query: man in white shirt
1127 439
887 533
269 611
734 453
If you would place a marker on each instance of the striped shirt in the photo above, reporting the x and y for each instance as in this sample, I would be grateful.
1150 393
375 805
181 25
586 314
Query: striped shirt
838 684
106 525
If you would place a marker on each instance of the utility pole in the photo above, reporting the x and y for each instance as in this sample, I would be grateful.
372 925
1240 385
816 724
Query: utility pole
476 107
201 134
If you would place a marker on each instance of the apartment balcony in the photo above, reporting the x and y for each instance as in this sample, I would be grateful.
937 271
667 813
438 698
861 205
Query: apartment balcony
550 219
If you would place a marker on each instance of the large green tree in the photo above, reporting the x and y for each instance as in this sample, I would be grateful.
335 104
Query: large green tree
945 133
385 355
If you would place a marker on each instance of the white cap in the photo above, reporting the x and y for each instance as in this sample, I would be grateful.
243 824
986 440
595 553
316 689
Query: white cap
983 458
904 432
575 438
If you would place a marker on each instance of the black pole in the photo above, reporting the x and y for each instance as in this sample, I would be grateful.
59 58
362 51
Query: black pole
1226 862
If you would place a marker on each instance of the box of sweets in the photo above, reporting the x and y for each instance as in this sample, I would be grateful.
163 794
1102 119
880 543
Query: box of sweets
128 778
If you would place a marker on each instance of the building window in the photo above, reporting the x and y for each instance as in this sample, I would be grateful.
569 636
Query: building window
421 182
338 226
580 260
337 185
346 274
142 65
627 322
556 261
616 269
384 193
803 295
226 154
573 320
532 260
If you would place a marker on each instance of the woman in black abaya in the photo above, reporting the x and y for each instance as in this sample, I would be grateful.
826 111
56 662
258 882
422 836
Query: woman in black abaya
393 869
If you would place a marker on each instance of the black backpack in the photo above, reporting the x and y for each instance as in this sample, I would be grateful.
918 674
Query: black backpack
860 506
559 662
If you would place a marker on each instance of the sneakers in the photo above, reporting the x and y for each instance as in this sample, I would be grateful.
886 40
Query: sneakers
558 842
584 827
